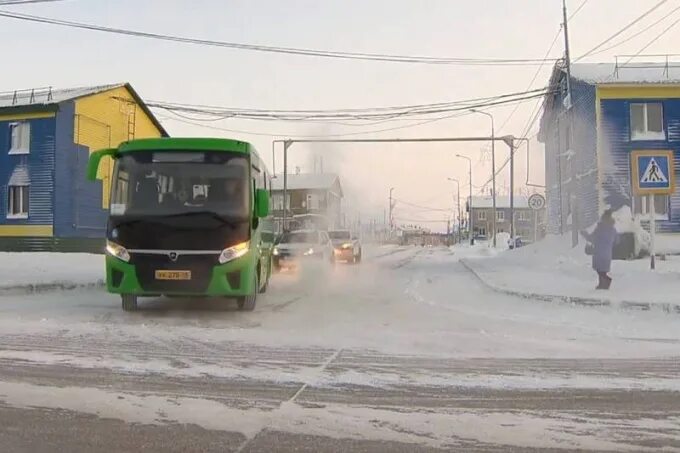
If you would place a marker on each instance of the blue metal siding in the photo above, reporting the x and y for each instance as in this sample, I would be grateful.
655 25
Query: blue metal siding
617 148
584 145
40 165
78 204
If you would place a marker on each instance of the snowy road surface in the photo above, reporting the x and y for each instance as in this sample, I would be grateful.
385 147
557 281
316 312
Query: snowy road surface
405 352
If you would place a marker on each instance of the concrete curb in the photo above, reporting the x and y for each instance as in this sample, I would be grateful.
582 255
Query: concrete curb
574 300
48 287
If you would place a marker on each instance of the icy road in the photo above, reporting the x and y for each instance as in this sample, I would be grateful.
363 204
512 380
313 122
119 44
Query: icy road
405 352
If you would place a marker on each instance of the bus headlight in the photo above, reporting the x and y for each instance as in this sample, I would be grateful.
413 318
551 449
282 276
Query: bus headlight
309 252
233 252
118 251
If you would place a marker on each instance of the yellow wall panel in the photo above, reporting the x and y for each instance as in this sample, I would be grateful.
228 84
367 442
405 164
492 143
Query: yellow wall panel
638 91
26 116
26 230
105 120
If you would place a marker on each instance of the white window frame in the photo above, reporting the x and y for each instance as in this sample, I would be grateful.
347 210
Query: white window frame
481 231
19 137
24 205
644 207
312 201
500 216
524 216
646 133
481 215
277 201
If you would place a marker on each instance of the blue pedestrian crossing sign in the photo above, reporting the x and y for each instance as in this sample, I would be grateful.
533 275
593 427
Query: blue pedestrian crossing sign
652 172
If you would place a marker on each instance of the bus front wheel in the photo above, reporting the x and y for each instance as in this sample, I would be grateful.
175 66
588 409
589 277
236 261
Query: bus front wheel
129 302
247 303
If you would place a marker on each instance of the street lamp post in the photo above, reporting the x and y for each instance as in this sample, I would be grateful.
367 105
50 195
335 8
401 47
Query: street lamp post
493 171
471 217
390 219
457 203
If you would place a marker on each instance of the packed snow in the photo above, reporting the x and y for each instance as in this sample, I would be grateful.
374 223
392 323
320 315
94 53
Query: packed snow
31 270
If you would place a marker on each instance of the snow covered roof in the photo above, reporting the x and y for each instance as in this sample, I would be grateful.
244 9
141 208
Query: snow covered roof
46 96
502 201
39 97
638 72
318 181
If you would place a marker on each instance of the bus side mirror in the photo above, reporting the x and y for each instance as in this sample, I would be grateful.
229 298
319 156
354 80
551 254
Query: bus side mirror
95 158
261 203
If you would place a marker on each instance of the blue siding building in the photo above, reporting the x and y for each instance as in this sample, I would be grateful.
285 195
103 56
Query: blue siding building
46 137
615 110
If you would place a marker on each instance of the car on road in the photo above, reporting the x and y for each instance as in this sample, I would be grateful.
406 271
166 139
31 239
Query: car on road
295 246
347 246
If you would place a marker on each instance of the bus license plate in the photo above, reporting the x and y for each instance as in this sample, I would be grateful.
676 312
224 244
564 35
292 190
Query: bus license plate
173 275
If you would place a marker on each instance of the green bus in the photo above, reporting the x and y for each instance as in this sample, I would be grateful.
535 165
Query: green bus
187 217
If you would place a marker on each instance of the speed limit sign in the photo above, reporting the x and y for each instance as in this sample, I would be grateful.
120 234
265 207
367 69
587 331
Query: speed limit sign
536 201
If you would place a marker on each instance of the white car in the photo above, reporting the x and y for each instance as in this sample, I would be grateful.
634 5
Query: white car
347 246
298 245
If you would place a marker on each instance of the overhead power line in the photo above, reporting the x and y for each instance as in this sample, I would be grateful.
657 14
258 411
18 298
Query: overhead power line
536 74
583 3
25 2
426 208
655 39
281 50
289 135
280 115
633 36
471 101
626 27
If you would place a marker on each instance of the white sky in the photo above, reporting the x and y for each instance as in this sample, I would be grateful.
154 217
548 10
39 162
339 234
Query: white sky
42 55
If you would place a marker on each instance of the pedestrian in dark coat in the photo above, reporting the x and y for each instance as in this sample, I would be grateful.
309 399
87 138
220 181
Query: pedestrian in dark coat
603 238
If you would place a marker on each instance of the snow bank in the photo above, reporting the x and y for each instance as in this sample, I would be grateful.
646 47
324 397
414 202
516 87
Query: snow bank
20 269
553 268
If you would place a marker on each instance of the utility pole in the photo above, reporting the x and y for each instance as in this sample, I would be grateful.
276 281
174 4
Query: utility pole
512 193
493 173
573 199
391 205
286 144
471 231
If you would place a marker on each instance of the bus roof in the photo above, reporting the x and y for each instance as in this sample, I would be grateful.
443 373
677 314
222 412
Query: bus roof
186 144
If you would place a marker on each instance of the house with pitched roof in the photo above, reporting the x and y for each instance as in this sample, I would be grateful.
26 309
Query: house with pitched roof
315 194
616 108
46 136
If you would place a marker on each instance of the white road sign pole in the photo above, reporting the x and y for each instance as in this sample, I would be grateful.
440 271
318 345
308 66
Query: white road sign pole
652 230
535 226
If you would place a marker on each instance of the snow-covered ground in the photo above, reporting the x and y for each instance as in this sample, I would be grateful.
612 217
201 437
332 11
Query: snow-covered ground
406 347
45 269
553 268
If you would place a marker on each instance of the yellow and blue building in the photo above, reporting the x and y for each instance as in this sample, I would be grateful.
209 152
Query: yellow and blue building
615 109
46 137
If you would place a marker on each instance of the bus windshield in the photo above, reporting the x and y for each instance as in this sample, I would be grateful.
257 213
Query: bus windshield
173 183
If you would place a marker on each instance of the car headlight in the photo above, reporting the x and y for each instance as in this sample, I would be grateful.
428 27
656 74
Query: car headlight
346 246
275 252
117 251
309 252
233 252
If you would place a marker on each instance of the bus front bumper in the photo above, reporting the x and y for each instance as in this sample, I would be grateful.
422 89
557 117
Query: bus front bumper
231 279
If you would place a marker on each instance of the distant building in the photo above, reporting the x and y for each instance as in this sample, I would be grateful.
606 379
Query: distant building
309 193
616 109
46 137
525 217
